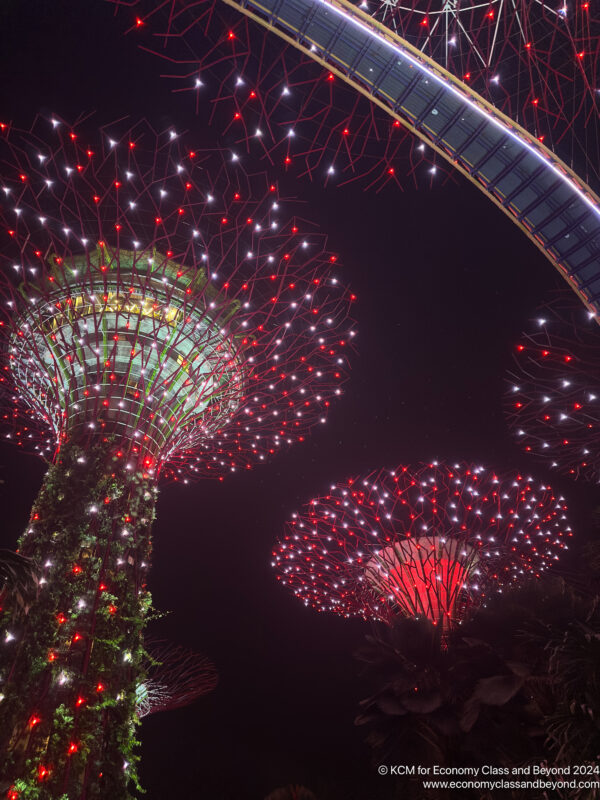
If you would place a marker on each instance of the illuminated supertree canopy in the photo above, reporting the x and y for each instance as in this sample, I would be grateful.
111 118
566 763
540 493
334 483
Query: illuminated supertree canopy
175 678
272 101
434 541
535 61
164 316
553 390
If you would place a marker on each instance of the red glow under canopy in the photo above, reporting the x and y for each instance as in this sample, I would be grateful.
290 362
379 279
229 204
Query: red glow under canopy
423 577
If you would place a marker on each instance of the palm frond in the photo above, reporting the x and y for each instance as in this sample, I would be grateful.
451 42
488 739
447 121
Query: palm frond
19 582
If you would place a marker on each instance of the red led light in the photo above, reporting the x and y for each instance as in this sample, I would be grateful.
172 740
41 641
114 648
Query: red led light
42 773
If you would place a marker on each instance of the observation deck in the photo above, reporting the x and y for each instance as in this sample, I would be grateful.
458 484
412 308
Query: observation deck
557 211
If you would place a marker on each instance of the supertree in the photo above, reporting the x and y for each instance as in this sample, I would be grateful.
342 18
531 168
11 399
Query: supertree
175 678
162 318
535 61
434 541
553 390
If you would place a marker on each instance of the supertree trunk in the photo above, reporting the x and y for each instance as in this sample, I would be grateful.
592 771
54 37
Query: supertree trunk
70 667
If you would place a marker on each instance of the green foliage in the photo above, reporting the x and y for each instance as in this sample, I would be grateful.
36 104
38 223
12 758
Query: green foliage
90 534
28 792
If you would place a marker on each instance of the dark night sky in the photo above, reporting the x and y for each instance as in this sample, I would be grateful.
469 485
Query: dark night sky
445 284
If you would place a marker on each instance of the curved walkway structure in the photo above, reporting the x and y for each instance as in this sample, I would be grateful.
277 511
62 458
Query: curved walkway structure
557 211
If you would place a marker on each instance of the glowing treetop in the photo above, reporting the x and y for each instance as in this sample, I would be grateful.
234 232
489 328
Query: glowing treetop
163 297
553 390
431 540
175 678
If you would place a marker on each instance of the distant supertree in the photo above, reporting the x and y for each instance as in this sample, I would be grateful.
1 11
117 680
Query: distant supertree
428 541
175 678
553 391
536 61
162 318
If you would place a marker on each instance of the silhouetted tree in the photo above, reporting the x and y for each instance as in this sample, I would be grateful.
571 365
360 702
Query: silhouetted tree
517 684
